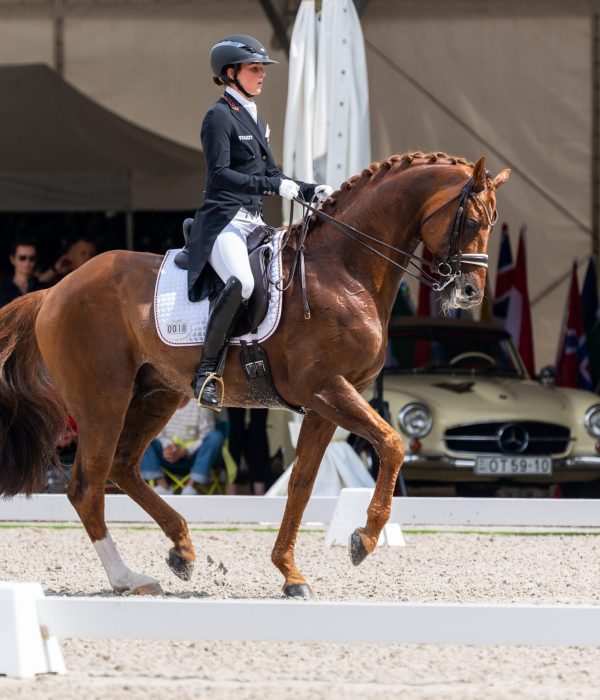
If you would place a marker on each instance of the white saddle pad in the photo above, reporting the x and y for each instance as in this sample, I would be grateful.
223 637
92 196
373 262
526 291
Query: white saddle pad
182 322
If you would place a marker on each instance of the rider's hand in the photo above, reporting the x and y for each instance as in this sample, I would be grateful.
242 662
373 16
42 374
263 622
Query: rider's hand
288 189
322 192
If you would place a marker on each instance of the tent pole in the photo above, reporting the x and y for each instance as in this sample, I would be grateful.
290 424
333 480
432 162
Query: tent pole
58 36
129 231
596 133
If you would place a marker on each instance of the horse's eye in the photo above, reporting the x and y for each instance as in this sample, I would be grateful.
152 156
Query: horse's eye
472 224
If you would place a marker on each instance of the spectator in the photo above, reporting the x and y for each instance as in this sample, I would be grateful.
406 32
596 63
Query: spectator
251 443
78 253
188 442
23 257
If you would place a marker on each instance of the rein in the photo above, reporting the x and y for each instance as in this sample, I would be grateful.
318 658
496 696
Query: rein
444 268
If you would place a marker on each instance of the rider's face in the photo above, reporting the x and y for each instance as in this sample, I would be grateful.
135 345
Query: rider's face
251 77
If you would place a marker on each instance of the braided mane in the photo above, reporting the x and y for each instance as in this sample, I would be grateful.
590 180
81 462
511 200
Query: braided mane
377 171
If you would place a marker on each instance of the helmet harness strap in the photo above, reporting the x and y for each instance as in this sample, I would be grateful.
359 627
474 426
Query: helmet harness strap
236 82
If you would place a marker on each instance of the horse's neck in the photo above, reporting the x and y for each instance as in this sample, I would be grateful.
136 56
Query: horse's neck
392 220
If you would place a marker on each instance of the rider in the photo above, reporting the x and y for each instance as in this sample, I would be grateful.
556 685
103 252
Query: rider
240 169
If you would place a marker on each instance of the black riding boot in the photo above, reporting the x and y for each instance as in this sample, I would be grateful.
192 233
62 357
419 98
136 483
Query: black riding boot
221 323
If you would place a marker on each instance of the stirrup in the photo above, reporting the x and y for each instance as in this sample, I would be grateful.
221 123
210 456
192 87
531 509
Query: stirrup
217 378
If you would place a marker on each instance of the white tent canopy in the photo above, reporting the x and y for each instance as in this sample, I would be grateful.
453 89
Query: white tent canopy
517 73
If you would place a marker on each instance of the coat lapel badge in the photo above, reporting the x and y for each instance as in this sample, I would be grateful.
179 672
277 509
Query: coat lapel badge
231 102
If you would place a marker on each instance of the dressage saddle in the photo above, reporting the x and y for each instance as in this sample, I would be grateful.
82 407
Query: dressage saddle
259 254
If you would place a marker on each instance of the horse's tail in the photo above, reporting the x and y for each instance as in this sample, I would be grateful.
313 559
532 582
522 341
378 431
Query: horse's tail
31 412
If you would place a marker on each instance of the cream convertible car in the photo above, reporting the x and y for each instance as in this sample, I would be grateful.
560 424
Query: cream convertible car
462 400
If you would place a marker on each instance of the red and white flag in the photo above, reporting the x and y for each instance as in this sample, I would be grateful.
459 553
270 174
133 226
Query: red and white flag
518 320
428 299
572 364
504 279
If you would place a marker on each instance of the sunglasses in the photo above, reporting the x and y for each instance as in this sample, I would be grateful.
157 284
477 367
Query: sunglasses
31 258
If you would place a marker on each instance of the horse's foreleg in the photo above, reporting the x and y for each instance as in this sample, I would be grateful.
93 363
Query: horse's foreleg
342 403
145 418
314 436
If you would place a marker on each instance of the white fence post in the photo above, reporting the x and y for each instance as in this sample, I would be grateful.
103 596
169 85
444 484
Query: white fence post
351 512
25 647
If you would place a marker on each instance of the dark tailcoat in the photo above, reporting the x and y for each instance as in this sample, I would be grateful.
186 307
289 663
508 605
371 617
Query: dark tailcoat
240 170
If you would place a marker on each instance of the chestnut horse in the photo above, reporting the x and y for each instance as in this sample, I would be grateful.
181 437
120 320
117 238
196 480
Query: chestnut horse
88 347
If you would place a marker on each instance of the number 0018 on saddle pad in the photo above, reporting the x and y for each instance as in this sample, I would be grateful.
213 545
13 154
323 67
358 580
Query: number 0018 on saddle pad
182 322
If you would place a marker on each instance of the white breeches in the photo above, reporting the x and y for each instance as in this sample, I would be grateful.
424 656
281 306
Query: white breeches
229 255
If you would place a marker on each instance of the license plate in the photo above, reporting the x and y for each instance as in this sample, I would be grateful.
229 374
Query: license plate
513 465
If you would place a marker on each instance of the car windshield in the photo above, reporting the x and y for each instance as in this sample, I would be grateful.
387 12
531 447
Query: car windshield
451 350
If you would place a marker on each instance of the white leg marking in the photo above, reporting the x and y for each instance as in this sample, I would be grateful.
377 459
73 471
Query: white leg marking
121 578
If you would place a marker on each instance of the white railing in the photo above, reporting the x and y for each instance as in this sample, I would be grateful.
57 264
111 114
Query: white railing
33 623
502 512
282 620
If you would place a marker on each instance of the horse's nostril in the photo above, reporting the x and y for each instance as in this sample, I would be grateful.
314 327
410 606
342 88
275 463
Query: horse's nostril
470 290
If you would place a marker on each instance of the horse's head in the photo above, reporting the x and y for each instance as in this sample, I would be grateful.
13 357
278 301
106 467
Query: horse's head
456 223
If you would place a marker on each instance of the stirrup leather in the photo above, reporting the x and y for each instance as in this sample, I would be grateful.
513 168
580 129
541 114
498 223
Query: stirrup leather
213 376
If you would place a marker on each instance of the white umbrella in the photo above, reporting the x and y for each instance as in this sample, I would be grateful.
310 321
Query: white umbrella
298 132
327 133
342 140
327 139
340 468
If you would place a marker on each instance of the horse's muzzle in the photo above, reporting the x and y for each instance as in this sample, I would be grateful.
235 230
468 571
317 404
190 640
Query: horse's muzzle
466 291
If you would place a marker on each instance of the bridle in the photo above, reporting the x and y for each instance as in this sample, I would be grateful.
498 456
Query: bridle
444 268
448 268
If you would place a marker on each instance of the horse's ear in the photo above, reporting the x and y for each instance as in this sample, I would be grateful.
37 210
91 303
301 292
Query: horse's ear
479 175
501 178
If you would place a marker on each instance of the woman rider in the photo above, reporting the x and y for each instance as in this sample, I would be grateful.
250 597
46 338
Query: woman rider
240 169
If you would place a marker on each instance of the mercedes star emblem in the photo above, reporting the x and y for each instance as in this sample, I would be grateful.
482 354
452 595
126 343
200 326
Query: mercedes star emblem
513 439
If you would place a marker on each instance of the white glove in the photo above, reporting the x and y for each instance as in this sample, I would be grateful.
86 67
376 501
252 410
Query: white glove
322 192
288 189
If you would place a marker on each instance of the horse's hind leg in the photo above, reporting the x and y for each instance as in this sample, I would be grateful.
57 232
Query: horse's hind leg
145 418
100 425
342 402
314 437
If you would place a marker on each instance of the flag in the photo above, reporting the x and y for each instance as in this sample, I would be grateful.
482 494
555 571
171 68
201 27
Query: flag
589 297
428 304
504 280
518 319
591 320
403 305
487 305
572 366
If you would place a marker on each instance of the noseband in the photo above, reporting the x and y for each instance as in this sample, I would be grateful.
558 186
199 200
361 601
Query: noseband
449 268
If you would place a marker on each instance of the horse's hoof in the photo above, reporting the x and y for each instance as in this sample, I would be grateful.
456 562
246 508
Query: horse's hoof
298 590
151 588
356 548
184 568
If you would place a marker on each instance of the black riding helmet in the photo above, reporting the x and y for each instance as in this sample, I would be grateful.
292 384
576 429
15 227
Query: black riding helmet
233 50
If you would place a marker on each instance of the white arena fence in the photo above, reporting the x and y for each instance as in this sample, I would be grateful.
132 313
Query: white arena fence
32 624
408 512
